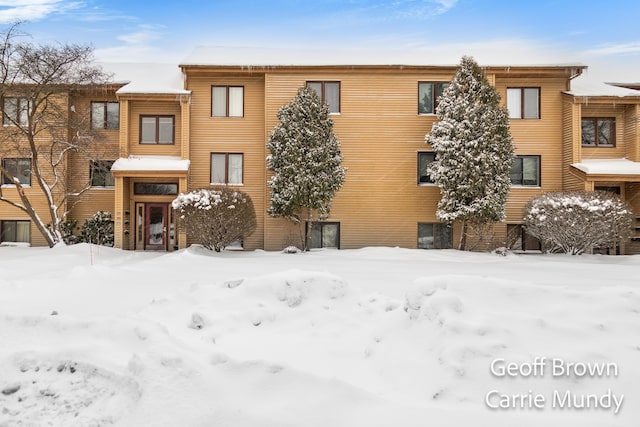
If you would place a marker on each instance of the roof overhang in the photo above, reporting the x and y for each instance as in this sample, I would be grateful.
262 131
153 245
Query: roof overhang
150 166
622 170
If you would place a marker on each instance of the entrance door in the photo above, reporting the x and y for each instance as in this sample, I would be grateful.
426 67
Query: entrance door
155 226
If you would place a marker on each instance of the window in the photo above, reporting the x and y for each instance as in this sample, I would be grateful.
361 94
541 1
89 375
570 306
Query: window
598 132
15 231
610 189
434 235
155 189
105 115
525 171
523 102
428 96
329 93
424 160
519 240
226 168
227 101
325 235
18 168
157 129
16 111
101 173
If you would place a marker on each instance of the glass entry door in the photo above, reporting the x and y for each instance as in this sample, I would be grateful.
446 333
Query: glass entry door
155 226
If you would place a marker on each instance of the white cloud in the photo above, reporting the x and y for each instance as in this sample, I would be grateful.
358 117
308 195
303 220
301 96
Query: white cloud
615 49
145 34
33 10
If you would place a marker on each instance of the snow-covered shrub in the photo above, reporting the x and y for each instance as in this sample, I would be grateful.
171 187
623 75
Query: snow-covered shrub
575 222
67 228
216 217
98 229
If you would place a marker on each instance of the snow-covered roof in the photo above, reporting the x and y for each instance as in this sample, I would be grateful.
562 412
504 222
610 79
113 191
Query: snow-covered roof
585 86
151 163
274 57
608 167
144 78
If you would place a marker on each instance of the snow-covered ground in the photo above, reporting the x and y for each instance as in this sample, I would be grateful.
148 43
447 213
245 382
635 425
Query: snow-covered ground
93 336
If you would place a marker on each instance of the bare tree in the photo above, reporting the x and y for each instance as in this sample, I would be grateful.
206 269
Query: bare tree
42 126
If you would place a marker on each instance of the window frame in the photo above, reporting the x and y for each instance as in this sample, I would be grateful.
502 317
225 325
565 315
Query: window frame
419 177
157 118
311 225
5 180
3 224
322 95
596 133
105 115
9 121
523 102
436 95
226 168
437 243
227 101
538 171
517 233
99 166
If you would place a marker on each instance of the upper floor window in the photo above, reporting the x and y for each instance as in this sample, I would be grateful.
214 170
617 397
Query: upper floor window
424 160
523 102
101 173
598 132
226 168
428 95
15 111
329 93
227 101
157 129
105 115
18 168
525 171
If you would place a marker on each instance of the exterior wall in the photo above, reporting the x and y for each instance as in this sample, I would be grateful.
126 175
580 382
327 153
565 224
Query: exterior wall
104 148
542 137
244 135
139 108
571 144
616 111
17 148
631 133
380 133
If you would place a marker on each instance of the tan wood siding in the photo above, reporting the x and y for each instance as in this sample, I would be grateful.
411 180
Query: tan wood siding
631 134
615 111
162 108
536 137
230 135
571 145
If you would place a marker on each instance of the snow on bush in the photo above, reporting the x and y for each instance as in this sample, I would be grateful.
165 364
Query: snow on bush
575 222
216 217
98 229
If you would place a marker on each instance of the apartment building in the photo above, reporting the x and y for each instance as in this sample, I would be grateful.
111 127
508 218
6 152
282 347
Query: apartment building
207 122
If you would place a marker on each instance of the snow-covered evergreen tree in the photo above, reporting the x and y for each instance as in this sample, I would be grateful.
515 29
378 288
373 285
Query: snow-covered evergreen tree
473 150
305 159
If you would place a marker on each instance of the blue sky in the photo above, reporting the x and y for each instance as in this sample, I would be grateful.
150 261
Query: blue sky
604 36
